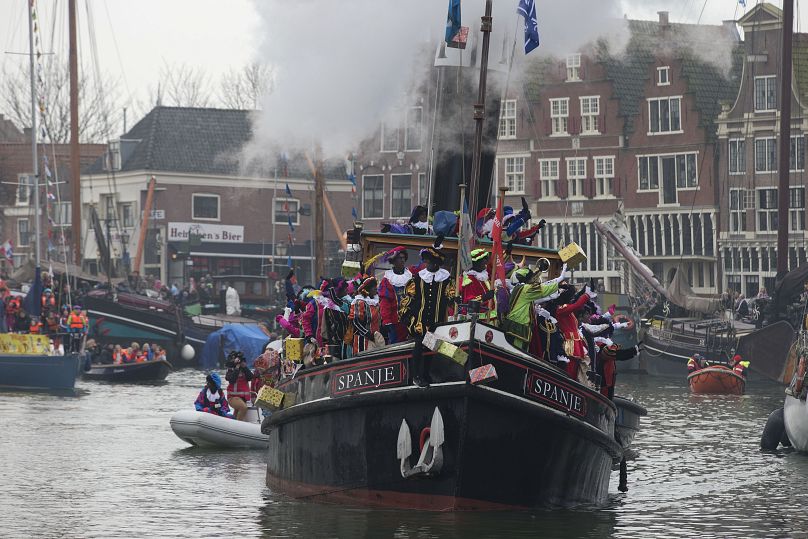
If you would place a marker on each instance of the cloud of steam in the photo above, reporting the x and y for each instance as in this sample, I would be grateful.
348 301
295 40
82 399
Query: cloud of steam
342 67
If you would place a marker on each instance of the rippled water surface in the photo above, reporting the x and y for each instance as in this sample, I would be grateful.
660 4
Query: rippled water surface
106 464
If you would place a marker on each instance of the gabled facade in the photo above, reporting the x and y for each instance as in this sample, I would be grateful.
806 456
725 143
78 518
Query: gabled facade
597 132
748 133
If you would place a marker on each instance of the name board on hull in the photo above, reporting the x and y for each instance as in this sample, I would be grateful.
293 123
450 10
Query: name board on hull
560 396
206 232
377 376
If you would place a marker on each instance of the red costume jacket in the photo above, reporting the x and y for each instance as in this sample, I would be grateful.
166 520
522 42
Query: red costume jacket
391 290
568 325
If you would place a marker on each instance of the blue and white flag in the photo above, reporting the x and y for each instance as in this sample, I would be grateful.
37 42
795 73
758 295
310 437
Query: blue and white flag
291 226
453 20
527 9
288 191
353 213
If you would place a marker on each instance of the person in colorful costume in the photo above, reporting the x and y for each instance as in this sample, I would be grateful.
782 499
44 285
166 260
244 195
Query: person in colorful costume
211 399
425 305
519 321
366 316
332 321
239 376
574 343
266 370
391 292
476 286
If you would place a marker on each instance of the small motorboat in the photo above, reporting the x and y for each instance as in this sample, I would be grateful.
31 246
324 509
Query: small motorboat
717 380
145 371
209 430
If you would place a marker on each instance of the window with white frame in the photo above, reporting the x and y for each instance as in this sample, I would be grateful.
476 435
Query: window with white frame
548 176
766 154
25 185
205 207
127 213
740 200
373 196
663 76
664 115
507 119
389 137
413 132
559 115
765 93
767 210
62 213
797 154
648 172
590 110
686 174
23 233
604 176
573 67
515 174
737 156
796 208
576 174
401 199
286 210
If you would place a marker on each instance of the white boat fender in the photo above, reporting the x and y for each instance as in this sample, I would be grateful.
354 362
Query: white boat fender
774 432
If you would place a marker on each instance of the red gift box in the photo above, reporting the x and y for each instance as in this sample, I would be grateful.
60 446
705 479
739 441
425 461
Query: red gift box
486 373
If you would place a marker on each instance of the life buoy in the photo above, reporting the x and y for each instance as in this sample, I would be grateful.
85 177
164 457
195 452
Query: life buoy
622 318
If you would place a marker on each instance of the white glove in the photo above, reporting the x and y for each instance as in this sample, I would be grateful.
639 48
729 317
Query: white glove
561 276
591 293
562 359
620 325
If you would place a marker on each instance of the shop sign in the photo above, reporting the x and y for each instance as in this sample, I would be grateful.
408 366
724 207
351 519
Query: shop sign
206 232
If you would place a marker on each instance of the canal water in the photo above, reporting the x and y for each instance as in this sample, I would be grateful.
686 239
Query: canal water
106 464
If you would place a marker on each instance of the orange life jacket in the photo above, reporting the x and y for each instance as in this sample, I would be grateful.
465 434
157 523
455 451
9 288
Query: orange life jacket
75 321
36 328
48 301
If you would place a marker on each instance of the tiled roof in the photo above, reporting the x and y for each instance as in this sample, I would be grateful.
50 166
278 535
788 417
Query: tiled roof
201 141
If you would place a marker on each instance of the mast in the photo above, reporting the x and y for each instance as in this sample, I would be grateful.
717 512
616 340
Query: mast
34 133
319 242
479 110
144 225
785 142
75 159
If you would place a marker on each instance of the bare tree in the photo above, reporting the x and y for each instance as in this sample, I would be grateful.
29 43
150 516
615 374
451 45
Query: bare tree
183 86
243 88
98 103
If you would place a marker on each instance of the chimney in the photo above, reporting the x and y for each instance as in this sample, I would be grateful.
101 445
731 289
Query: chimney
663 18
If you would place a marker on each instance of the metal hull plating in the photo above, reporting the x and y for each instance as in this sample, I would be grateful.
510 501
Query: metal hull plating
531 438
39 372
627 423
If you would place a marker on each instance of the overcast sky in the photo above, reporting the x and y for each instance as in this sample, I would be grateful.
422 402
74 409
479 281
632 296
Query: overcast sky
134 38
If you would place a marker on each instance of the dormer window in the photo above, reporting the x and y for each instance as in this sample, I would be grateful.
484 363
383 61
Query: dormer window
663 76
113 156
573 67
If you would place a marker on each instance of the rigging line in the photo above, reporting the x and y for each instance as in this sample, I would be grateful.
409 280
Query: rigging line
118 55
698 21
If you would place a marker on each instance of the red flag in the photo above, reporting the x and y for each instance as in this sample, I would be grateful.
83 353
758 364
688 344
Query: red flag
496 236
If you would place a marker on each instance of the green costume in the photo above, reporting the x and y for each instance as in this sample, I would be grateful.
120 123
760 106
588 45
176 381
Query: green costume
519 320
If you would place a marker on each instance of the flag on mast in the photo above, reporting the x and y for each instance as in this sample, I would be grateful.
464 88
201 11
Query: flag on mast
527 9
453 20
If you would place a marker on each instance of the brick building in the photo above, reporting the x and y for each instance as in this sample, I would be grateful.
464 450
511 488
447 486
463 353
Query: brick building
748 131
595 132
16 197
204 189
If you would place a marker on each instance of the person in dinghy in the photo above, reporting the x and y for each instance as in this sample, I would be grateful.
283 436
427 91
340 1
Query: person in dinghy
211 399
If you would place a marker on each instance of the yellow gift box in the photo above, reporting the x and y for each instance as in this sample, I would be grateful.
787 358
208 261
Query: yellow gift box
293 349
572 255
269 397
350 268
453 352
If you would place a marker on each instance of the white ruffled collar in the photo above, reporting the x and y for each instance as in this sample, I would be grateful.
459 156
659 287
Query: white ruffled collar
327 303
422 225
438 277
398 280
212 397
370 301
479 275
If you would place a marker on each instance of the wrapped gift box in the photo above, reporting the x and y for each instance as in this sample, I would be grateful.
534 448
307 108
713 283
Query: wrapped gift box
572 255
480 375
453 352
269 397
431 341
350 268
293 348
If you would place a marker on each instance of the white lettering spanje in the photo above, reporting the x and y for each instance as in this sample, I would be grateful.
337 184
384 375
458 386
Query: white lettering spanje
367 378
568 399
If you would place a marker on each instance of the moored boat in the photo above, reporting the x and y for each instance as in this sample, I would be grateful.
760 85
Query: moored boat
145 371
717 380
39 372
209 430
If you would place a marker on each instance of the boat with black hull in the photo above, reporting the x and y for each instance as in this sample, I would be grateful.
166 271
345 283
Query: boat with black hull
144 371
360 432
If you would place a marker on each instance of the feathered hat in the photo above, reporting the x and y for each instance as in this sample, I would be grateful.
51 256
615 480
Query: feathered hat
394 252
